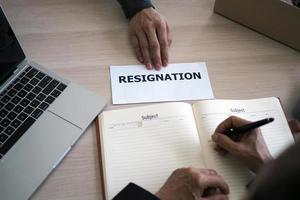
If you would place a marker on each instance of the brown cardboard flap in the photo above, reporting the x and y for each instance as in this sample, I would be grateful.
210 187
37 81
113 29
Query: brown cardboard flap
273 18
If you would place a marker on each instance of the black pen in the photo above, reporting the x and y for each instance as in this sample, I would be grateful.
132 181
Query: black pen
232 132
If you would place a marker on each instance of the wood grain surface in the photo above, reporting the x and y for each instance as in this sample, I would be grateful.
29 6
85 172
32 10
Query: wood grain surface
79 39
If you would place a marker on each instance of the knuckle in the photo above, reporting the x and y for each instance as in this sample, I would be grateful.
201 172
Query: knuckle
144 45
178 171
148 26
160 24
200 179
215 138
238 149
196 174
163 44
154 46
212 171
232 117
190 170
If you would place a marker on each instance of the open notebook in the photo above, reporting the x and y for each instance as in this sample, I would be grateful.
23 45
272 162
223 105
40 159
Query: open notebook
145 144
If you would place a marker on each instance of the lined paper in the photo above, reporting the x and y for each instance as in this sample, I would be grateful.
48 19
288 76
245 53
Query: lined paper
277 135
146 152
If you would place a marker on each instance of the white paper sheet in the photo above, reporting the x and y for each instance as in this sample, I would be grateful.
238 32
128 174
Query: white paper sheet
147 151
136 84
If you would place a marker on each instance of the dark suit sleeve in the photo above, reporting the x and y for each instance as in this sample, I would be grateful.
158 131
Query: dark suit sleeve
134 192
131 7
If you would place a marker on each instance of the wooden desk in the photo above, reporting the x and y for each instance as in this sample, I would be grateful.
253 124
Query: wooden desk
79 39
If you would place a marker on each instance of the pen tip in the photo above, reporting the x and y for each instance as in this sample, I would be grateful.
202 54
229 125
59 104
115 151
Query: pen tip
271 119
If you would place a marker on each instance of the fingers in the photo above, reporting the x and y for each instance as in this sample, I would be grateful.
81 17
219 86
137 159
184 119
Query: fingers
144 47
221 151
230 122
215 181
226 143
169 35
216 197
153 37
193 182
164 43
208 179
223 141
137 49
211 172
154 48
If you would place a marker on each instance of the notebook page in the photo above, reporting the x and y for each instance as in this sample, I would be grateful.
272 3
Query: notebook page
145 145
277 135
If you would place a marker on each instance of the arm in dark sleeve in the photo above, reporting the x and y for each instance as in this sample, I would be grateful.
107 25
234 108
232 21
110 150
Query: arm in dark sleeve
131 7
134 192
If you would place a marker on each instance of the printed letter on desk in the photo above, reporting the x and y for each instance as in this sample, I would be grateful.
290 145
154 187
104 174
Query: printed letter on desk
177 82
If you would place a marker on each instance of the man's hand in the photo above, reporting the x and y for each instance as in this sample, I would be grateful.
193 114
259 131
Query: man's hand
250 148
194 184
150 36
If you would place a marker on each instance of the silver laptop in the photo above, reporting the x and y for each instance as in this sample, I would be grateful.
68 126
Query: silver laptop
41 117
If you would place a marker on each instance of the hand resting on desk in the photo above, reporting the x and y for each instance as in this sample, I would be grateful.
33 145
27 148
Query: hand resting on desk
150 36
193 183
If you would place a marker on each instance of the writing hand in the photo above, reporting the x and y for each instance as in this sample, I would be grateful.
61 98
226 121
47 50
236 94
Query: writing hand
250 148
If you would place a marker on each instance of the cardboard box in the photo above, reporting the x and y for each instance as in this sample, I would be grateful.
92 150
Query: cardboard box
274 18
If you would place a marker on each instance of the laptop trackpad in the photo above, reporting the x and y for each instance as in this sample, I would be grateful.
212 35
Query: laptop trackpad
40 148
78 105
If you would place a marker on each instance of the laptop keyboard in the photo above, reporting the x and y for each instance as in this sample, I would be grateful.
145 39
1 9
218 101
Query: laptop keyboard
23 102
